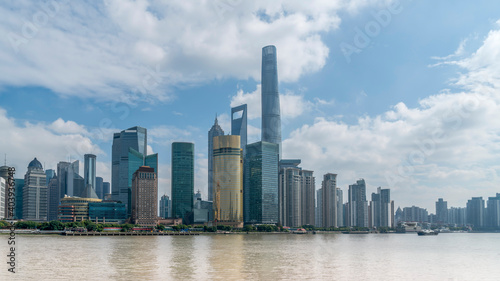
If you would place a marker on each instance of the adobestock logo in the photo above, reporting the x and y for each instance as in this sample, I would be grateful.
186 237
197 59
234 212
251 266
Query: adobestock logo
363 37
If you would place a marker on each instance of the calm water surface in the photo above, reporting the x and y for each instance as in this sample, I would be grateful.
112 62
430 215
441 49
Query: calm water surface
453 256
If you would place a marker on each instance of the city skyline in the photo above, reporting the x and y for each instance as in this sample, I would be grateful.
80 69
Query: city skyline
398 113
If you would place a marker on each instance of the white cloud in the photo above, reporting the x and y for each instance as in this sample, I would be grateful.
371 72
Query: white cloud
124 50
67 127
165 135
58 141
448 146
292 105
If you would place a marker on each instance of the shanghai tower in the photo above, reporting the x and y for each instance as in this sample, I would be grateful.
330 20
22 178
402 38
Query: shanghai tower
271 120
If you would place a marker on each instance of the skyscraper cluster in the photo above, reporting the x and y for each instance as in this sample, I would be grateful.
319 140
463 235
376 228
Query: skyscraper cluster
248 183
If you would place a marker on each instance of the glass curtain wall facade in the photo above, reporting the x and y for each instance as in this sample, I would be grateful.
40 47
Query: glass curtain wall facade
182 179
271 118
228 181
121 174
89 176
261 187
215 131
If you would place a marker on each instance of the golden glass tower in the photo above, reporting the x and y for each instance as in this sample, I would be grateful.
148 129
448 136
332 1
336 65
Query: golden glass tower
228 180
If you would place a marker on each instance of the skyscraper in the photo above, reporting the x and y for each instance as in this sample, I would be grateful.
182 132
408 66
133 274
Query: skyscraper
106 189
319 208
380 208
53 197
475 212
493 211
182 179
296 194
145 197
271 119
215 131
329 196
67 175
261 186
4 180
308 197
239 125
358 206
165 207
35 193
99 187
129 152
3 196
89 176
228 181
442 211
289 192
18 214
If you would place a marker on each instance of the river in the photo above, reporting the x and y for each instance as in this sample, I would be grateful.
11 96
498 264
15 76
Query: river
448 256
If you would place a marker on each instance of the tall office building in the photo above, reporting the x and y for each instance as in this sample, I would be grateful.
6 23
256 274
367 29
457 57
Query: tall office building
228 181
3 196
145 197
106 189
182 180
261 187
89 176
35 193
239 125
493 211
308 197
442 211
165 207
18 214
99 187
271 119
358 206
53 198
475 212
380 209
215 131
129 152
330 200
68 177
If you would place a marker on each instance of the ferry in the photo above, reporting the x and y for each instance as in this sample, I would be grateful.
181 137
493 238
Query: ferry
427 232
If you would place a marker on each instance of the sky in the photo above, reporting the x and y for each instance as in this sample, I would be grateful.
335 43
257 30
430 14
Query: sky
404 94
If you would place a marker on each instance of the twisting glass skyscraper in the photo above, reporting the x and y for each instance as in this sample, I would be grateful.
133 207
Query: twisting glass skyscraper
271 120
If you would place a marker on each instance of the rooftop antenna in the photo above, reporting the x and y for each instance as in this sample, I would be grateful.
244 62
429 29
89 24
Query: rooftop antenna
5 161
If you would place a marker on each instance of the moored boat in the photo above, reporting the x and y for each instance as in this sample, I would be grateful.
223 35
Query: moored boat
427 232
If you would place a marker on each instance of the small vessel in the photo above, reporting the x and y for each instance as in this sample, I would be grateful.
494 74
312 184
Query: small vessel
427 232
300 231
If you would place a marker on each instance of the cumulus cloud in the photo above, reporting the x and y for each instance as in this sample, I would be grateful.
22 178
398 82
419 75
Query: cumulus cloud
292 105
123 50
50 143
447 146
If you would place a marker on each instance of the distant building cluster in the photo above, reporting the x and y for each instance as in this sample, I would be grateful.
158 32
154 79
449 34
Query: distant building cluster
247 184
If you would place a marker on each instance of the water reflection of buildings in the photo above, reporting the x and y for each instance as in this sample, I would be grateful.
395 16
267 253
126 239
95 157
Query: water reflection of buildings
227 257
